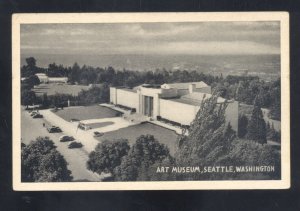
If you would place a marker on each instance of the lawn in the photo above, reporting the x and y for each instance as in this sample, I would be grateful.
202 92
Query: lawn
86 112
51 89
163 135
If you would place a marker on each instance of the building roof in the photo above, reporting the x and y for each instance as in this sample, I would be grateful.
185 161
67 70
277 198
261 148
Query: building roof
199 96
41 75
196 98
129 90
199 84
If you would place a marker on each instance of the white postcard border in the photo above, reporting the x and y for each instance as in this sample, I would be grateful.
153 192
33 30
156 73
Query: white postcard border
40 18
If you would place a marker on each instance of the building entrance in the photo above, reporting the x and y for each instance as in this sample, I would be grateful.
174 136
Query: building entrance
148 106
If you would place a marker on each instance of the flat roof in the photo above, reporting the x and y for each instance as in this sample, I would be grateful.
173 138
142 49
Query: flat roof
199 84
189 102
195 99
129 90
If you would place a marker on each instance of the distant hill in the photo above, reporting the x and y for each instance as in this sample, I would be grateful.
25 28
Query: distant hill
225 64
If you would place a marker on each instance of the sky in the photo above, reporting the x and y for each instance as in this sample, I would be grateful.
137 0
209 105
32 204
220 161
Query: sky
200 38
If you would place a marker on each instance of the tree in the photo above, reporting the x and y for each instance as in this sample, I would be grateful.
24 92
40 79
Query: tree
208 136
44 100
208 139
143 154
275 111
275 95
41 162
156 173
58 100
247 153
94 95
32 81
74 74
242 126
272 134
107 155
28 97
53 168
257 127
30 68
31 62
222 90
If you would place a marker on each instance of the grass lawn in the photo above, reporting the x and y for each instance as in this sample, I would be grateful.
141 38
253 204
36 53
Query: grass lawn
86 112
51 89
163 135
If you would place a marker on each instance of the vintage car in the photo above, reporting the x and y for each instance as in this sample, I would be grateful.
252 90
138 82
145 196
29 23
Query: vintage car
74 144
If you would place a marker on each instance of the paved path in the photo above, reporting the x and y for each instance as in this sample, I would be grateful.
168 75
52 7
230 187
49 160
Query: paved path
76 158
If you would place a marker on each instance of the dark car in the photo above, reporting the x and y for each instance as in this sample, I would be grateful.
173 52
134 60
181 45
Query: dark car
54 129
37 116
66 138
74 144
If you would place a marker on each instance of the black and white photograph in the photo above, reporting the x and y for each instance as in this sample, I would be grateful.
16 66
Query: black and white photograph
151 101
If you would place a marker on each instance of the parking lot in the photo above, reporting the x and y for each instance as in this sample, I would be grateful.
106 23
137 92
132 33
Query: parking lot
76 158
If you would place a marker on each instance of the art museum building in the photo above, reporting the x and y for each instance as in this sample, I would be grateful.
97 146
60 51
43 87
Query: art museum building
176 102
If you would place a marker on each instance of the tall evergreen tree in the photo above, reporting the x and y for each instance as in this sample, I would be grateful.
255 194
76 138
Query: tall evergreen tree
208 137
275 110
257 130
243 123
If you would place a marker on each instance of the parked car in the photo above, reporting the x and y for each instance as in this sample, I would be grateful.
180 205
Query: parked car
74 144
98 134
34 113
37 116
54 129
65 138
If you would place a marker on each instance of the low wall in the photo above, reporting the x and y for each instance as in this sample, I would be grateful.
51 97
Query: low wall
185 113
178 112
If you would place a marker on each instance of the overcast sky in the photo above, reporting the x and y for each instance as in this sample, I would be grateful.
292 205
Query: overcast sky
152 38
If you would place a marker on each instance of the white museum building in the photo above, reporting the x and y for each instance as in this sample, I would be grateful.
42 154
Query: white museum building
177 102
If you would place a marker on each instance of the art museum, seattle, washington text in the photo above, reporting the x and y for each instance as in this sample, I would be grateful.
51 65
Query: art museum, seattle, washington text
214 169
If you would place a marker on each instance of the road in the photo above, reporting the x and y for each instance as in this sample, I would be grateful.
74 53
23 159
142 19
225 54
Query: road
76 158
